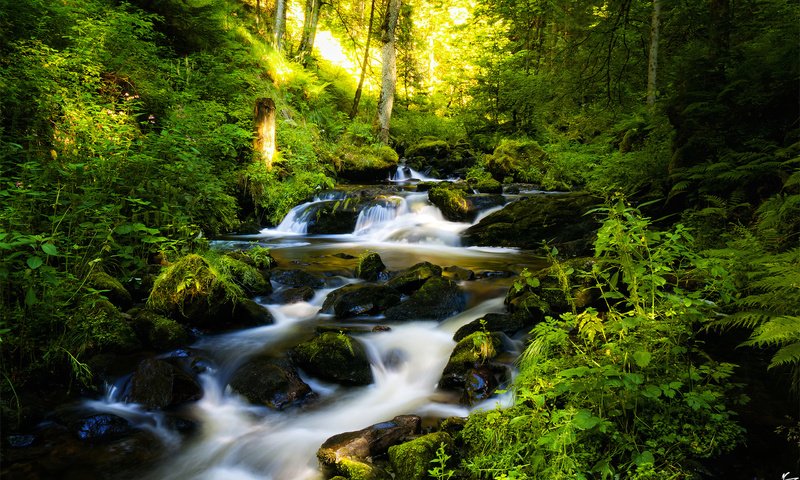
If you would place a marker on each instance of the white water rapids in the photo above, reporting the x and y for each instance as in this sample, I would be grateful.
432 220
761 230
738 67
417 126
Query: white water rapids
236 440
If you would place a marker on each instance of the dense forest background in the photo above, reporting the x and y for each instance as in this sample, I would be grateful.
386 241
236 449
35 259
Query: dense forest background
127 140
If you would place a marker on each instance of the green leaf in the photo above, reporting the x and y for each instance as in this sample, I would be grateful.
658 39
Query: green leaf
643 459
34 262
30 297
642 359
49 249
584 420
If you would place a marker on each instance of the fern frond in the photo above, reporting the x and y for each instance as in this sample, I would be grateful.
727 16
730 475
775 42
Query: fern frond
788 355
775 332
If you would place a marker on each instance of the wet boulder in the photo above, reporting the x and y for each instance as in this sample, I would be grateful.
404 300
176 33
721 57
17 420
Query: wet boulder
250 313
411 279
558 219
491 322
334 357
451 201
297 278
350 454
271 382
366 163
412 460
437 299
334 217
370 267
470 370
293 295
158 384
102 427
458 274
360 299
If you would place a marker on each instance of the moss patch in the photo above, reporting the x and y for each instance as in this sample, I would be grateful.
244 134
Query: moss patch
111 288
412 460
159 332
521 160
370 267
99 327
451 201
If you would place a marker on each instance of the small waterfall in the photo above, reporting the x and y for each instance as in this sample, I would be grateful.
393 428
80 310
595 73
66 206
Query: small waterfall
404 173
380 214
296 221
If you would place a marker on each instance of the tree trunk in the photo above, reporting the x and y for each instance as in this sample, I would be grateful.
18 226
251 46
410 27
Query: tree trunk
309 28
389 70
280 23
265 142
652 64
364 63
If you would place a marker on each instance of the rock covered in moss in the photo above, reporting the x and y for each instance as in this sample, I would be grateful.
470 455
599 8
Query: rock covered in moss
412 278
437 299
159 332
360 299
470 370
560 220
351 453
101 328
366 163
412 460
111 288
370 267
334 217
491 322
271 382
451 201
521 160
458 274
206 292
335 357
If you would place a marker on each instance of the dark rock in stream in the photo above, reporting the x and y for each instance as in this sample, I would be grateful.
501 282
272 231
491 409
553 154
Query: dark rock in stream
293 295
470 370
297 278
271 382
560 220
350 454
411 279
102 427
458 274
360 299
158 384
335 357
437 299
332 218
370 267
491 322
159 332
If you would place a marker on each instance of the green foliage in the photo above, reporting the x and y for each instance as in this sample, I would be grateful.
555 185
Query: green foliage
524 160
440 470
624 392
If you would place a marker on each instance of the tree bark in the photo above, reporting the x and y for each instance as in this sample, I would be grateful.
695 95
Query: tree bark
280 23
389 70
364 64
652 64
265 141
310 22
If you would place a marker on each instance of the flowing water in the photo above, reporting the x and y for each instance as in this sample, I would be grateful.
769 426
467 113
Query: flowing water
237 440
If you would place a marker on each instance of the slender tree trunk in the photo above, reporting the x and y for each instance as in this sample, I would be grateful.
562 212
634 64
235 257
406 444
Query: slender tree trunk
364 64
389 70
265 141
652 64
280 23
310 22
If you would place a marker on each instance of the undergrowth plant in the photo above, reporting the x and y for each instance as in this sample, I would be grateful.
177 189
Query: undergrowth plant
623 389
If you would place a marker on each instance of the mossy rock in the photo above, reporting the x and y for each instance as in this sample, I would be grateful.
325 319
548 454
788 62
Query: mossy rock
356 470
451 201
492 322
473 350
437 299
257 256
412 460
429 148
360 299
367 163
370 267
159 332
247 276
334 357
411 279
487 185
111 288
560 220
334 217
99 327
458 274
521 160
470 369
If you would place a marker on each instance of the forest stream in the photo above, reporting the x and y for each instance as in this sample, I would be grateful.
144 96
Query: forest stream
235 439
